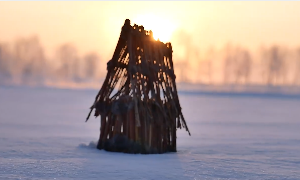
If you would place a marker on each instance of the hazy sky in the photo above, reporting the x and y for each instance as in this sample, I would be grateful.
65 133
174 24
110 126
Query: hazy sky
95 26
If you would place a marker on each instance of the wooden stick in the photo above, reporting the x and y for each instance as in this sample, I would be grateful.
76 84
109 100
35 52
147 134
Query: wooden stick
102 128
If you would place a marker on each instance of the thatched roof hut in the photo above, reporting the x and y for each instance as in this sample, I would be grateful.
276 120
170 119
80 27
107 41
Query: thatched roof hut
138 102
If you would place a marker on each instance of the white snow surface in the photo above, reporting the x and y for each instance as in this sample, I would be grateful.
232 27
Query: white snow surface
43 135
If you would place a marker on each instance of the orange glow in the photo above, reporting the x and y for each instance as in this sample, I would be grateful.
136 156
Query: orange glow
192 27
162 27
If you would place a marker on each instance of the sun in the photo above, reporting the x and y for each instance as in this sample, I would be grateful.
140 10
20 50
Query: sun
161 27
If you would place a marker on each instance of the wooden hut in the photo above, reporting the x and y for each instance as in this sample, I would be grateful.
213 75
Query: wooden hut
138 102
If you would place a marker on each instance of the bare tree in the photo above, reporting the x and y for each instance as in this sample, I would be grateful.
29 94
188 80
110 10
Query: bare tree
181 67
228 64
3 62
296 80
205 66
275 65
91 62
5 73
67 55
29 59
243 63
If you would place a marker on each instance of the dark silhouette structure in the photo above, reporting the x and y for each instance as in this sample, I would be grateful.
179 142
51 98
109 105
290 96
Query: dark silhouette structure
138 101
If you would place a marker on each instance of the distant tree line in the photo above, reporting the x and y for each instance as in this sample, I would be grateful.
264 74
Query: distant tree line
274 65
25 62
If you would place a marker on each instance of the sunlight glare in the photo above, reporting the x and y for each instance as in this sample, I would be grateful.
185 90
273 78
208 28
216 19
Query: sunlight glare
161 27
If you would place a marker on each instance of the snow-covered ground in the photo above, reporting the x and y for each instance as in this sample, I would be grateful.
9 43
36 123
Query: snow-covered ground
43 136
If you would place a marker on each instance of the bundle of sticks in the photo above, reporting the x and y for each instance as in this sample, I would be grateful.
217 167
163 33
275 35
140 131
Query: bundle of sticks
138 101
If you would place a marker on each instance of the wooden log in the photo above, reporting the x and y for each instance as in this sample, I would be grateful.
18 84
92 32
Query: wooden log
125 126
142 131
131 125
107 126
166 139
128 124
111 128
152 135
136 111
137 134
169 138
149 135
155 137
117 127
146 127
159 140
174 138
102 129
